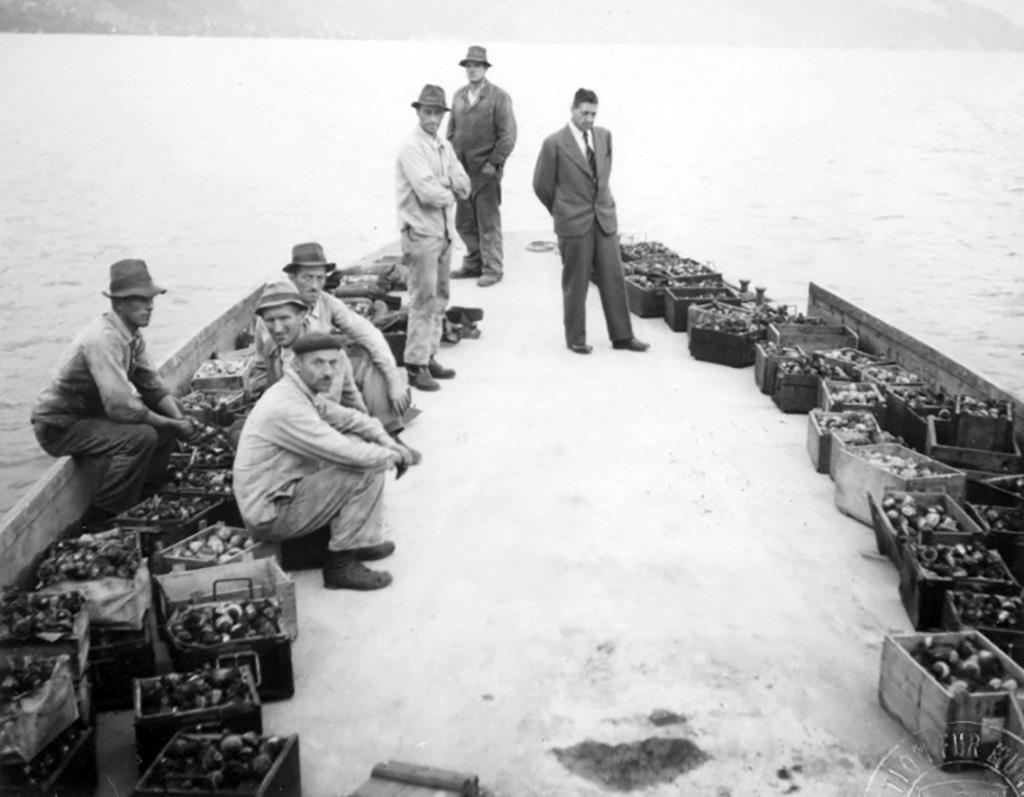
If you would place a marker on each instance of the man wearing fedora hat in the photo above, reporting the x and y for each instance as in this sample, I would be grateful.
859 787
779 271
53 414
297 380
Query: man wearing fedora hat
482 129
382 385
428 179
105 404
304 462
281 315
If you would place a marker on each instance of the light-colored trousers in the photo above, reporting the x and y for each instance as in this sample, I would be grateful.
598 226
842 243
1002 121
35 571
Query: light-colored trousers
429 261
351 501
373 386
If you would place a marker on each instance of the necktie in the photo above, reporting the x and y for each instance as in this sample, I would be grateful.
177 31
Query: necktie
590 154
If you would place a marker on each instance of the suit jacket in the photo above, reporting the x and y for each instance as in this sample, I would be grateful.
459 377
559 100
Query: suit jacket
563 183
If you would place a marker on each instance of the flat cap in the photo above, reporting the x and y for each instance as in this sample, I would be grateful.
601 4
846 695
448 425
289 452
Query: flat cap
316 341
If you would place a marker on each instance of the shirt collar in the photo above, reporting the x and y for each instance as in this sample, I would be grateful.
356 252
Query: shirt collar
577 134
434 140
291 374
115 321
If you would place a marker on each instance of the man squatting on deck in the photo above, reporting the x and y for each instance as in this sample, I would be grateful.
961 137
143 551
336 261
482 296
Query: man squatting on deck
482 129
304 461
91 410
428 178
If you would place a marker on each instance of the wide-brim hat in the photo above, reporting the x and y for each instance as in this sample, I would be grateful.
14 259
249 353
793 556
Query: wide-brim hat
476 53
310 254
131 278
279 294
316 341
431 96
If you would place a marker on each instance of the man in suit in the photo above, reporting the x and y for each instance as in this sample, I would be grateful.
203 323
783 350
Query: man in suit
571 181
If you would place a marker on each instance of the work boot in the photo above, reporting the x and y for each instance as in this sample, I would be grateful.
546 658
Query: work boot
420 378
342 570
465 273
438 371
488 279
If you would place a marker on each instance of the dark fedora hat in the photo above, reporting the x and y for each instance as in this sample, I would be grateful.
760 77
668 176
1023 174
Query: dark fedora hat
431 96
476 53
311 254
131 278
316 341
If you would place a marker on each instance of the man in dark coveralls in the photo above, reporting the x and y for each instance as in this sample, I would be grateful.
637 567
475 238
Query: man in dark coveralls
482 129
571 181
106 404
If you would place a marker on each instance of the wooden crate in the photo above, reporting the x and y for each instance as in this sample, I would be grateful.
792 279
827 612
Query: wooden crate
856 478
1009 539
938 446
283 780
828 398
112 601
115 658
848 358
258 578
812 337
268 656
982 432
172 530
1008 640
31 721
154 730
677 300
887 539
923 593
766 362
796 393
74 773
923 706
819 438
241 361
74 645
178 557
887 375
646 302
723 348
696 314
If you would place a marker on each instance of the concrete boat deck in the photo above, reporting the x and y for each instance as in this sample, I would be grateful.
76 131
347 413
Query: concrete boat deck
587 540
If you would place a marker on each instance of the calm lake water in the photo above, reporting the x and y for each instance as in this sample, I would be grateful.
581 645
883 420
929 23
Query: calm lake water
893 178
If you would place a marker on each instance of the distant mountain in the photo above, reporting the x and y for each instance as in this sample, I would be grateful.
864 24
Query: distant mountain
955 24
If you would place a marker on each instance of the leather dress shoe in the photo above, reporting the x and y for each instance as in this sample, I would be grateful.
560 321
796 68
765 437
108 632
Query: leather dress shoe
631 344
465 273
580 348
420 378
438 371
487 280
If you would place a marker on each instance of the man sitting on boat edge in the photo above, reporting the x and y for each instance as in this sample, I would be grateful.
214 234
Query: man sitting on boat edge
106 404
381 382
304 461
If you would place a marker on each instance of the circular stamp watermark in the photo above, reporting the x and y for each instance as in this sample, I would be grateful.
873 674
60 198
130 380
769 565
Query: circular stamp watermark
965 759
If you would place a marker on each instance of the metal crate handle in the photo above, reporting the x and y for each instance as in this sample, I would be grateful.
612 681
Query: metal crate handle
247 657
243 579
